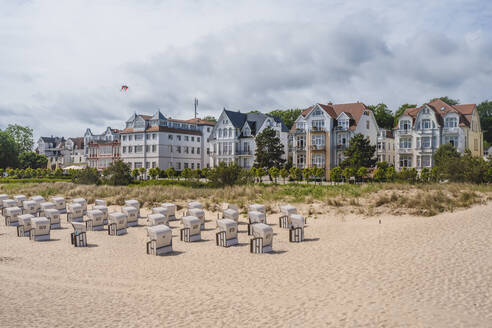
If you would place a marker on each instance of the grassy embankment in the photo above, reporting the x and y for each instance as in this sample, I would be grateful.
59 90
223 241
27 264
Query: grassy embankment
368 199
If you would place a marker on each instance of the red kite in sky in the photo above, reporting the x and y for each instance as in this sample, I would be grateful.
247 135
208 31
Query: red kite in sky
124 88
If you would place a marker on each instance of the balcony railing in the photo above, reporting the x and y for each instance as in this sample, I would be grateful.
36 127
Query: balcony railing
244 152
451 130
317 129
404 150
318 147
404 131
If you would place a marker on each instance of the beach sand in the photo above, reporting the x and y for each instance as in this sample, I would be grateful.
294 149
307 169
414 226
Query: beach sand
350 272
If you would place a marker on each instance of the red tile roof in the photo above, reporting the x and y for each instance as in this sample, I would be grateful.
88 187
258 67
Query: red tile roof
353 111
441 109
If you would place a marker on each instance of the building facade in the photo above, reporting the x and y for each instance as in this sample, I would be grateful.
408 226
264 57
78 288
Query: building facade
420 132
322 133
151 141
386 147
233 138
102 149
74 152
53 148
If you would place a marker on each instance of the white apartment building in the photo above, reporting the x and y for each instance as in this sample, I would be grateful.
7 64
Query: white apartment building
422 130
233 137
386 147
74 152
321 133
156 141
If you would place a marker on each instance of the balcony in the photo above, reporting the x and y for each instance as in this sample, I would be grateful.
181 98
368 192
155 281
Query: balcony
317 129
451 130
243 152
342 146
318 147
404 132
404 150
341 128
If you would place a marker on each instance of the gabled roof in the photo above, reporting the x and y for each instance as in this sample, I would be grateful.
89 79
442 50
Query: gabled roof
353 110
158 116
237 118
199 121
78 142
441 109
254 120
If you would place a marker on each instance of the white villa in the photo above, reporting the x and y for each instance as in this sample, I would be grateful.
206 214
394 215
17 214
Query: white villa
422 130
233 137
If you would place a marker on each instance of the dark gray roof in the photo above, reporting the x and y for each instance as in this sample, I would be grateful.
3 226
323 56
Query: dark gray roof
237 118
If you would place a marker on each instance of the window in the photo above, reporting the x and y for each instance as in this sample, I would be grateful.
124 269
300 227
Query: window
318 124
124 149
186 138
197 150
451 122
198 165
178 149
179 166
130 149
405 161
185 165
153 148
317 112
405 125
426 124
192 138
170 137
426 161
208 129
405 143
138 149
426 142
318 139
179 138
138 165
147 148
192 150
154 136
153 165
247 132
343 123
300 142
147 136
230 132
147 165
130 137
453 140
139 137
300 161
192 166
186 149
124 138
198 139
318 160
220 133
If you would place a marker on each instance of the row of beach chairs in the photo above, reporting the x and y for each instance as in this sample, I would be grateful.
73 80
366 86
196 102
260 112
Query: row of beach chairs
35 218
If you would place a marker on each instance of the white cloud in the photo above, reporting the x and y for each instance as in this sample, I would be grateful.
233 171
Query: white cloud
62 62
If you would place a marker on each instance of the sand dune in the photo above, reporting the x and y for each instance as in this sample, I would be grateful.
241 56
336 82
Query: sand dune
350 272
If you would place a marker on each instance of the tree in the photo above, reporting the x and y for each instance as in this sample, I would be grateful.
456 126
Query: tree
425 175
380 174
288 116
274 172
171 172
118 174
8 150
269 149
362 172
186 173
135 173
32 160
383 116
252 172
401 110
306 173
142 172
485 112
86 176
260 173
210 118
225 175
447 159
359 153
447 100
22 136
348 172
284 173
154 172
336 174
390 174
318 173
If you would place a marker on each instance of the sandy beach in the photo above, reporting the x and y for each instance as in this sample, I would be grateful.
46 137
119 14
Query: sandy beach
350 272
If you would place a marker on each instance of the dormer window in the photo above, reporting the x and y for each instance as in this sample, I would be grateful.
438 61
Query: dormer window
247 132
405 125
426 124
343 123
451 122
317 112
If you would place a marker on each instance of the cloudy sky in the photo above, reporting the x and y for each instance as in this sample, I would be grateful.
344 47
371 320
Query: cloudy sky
62 63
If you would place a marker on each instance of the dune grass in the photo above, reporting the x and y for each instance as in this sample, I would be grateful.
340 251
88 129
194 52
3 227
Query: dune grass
369 199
